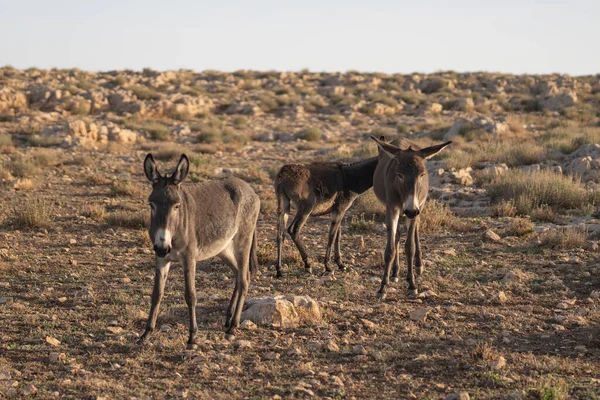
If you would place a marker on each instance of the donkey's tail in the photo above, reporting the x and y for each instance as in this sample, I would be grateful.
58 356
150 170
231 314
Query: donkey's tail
253 256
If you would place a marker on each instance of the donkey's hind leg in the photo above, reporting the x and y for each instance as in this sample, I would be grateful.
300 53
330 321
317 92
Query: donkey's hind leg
336 219
228 257
241 252
283 211
294 230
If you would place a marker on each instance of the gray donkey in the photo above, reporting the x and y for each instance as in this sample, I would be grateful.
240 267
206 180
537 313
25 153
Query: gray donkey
401 182
195 222
319 189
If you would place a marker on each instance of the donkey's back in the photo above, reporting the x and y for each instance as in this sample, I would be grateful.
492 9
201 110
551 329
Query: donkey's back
317 183
219 209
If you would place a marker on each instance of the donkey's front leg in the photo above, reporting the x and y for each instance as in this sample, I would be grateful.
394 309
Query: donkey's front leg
160 278
391 220
189 270
396 266
418 254
409 248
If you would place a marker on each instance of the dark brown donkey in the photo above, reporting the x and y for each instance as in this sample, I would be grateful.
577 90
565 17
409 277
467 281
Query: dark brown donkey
401 182
319 189
195 222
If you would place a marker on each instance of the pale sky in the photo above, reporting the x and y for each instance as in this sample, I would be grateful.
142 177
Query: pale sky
512 36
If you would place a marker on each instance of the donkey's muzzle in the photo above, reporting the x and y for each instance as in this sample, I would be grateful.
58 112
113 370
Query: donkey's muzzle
162 251
411 213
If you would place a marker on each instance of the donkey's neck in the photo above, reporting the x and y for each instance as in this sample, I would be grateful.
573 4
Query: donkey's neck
358 177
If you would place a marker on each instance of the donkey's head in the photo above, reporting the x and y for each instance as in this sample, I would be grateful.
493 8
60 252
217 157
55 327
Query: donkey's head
409 173
165 202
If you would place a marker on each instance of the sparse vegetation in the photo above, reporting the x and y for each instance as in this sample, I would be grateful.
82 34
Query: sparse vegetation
530 191
310 134
566 239
33 212
127 219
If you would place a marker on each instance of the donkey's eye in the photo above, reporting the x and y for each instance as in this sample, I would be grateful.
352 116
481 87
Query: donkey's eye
400 176
177 206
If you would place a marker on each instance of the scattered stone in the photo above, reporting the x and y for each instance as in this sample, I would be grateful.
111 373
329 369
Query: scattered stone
29 390
272 356
580 349
331 347
368 324
500 297
6 300
359 349
282 311
498 364
449 252
419 315
247 324
115 330
242 344
52 341
462 395
491 236
55 357
511 276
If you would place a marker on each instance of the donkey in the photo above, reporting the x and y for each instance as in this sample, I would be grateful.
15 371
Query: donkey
195 222
319 189
401 182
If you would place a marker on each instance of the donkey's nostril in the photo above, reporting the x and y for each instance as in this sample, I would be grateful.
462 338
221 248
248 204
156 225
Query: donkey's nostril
162 239
411 213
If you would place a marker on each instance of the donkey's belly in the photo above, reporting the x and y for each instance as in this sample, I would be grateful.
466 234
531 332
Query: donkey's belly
213 249
323 207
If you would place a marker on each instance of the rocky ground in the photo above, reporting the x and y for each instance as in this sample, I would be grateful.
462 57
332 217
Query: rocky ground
509 300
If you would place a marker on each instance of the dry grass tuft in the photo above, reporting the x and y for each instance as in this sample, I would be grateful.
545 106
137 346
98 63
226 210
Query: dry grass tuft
310 134
124 188
566 238
94 211
520 227
127 219
530 191
33 213
504 209
435 217
361 225
368 204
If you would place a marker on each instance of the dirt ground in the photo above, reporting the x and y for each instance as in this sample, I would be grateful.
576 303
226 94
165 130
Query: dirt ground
510 317
88 286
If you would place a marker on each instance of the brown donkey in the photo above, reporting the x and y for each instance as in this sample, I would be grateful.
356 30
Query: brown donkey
401 182
195 222
318 189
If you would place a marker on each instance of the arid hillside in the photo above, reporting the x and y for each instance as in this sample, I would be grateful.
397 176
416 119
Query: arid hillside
509 302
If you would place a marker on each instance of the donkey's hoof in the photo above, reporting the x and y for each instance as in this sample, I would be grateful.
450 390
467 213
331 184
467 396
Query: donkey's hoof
381 296
278 275
191 346
412 293
229 336
309 270
395 279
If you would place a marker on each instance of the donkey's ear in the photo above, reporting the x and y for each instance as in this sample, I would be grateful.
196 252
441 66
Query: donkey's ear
181 171
431 151
388 148
150 169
